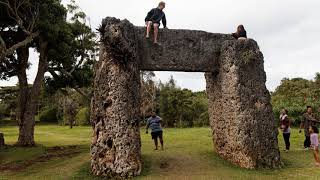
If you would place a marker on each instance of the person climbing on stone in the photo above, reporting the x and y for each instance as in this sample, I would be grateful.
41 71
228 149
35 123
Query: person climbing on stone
285 127
308 119
153 18
241 33
154 122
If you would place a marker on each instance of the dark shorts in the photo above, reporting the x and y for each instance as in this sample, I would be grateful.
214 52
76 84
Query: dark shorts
158 23
155 135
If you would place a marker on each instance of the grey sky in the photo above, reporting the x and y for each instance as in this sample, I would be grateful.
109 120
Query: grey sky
286 30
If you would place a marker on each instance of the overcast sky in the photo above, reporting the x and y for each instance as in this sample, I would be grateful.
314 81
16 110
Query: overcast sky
286 30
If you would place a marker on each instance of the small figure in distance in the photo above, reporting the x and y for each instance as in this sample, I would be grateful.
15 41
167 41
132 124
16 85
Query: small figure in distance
285 128
153 18
241 33
154 122
314 131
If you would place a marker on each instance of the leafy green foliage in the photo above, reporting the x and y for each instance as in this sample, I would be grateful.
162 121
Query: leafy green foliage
295 95
48 115
83 117
182 107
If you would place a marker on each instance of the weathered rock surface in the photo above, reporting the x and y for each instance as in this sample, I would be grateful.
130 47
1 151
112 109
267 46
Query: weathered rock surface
180 50
240 112
115 148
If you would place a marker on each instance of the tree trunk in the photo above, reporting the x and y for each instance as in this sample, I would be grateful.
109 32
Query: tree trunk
28 99
2 144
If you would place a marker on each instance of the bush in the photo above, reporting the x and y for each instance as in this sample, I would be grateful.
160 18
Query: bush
48 115
83 117
4 111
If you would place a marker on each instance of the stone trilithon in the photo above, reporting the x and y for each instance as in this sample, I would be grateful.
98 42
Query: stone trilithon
241 118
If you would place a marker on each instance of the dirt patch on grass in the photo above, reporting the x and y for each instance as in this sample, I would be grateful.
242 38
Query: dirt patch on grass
50 153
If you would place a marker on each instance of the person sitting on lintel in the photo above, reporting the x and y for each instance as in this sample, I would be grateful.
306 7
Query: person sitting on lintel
241 33
153 18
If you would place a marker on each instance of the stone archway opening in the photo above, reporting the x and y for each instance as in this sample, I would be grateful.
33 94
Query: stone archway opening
240 112
184 92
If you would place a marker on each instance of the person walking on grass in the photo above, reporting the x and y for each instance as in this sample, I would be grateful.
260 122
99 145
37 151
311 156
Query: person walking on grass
154 122
153 18
285 124
308 119
314 131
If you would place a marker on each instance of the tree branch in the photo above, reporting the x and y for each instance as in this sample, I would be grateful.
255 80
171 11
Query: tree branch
7 52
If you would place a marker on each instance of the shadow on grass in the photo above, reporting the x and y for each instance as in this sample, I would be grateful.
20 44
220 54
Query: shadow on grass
17 158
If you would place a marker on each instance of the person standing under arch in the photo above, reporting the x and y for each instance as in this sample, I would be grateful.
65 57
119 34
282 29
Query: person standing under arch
154 122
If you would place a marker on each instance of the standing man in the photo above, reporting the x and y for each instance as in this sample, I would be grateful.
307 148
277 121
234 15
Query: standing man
308 119
153 19
154 122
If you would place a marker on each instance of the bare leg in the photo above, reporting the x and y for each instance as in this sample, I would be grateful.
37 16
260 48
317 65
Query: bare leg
316 156
149 23
156 143
161 142
156 29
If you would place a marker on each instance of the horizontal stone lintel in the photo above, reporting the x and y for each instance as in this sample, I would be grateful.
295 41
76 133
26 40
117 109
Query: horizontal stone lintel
180 50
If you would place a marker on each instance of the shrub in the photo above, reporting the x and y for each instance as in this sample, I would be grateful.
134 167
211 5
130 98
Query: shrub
83 117
48 115
4 111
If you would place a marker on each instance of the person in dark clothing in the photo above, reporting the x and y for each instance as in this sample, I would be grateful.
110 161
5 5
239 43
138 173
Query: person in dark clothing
153 18
285 127
308 119
241 33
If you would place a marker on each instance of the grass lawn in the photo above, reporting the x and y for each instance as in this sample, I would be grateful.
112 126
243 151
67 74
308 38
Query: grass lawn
188 155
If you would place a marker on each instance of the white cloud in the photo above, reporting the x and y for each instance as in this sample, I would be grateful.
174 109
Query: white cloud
287 30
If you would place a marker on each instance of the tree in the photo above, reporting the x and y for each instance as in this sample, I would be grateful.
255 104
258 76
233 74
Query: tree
295 94
18 25
8 100
148 93
74 56
57 43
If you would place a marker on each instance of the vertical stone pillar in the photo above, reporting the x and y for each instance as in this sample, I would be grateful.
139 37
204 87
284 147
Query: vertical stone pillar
115 107
244 128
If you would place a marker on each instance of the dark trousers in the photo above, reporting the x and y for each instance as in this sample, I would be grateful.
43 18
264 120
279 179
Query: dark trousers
307 142
286 137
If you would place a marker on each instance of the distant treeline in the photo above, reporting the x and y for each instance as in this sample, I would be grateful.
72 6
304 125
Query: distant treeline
295 95
177 107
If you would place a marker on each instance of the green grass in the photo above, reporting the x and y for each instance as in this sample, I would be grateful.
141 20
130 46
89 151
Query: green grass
188 153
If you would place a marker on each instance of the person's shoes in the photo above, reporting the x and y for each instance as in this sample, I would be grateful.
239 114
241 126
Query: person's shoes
147 37
286 150
156 44
306 149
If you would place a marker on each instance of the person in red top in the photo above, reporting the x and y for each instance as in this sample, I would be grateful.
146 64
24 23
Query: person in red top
285 127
